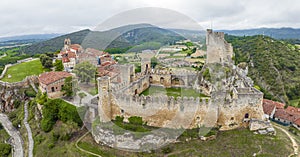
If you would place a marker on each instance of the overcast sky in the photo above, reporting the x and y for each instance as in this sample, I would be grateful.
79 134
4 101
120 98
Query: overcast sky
19 17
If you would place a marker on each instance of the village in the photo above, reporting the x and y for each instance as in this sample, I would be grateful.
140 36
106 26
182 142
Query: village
124 86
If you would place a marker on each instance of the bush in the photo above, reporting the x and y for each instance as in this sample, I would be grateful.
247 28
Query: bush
135 120
5 149
30 93
167 150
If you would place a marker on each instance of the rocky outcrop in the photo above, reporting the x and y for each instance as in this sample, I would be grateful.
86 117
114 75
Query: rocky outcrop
10 93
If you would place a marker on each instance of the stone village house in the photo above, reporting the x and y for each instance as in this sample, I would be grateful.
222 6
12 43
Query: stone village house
52 83
286 116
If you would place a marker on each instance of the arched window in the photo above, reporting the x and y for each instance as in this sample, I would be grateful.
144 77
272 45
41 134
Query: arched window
162 80
246 115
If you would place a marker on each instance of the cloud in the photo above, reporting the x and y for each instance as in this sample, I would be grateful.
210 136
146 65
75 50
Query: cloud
54 16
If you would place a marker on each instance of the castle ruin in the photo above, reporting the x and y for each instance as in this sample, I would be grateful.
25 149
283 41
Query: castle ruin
232 101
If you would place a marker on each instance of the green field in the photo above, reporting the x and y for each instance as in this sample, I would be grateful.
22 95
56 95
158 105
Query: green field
294 102
20 71
175 92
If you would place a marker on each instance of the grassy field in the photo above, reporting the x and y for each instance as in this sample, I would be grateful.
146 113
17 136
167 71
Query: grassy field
294 102
175 92
20 71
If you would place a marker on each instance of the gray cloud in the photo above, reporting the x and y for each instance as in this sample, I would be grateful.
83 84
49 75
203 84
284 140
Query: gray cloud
54 16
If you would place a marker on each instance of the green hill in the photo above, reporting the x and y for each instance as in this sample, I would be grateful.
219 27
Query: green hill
273 65
122 37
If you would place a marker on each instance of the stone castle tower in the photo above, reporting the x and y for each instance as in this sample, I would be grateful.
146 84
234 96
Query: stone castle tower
218 50
104 107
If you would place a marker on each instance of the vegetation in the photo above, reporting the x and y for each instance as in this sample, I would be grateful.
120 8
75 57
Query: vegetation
5 149
55 44
240 142
68 87
20 71
175 92
58 109
154 62
85 71
46 61
273 65
58 65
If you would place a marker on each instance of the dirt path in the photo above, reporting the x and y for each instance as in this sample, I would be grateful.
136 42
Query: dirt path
29 133
294 143
16 139
88 152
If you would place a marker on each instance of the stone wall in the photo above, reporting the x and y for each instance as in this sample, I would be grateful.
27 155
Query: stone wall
218 50
10 92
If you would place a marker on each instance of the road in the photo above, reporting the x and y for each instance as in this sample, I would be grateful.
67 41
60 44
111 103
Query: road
29 133
3 55
294 143
14 134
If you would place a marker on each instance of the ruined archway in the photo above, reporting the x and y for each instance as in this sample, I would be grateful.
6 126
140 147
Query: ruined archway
177 82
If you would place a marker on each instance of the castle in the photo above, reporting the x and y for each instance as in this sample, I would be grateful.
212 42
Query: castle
232 101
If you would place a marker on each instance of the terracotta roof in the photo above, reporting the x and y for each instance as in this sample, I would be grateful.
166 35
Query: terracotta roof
71 54
283 114
278 105
50 77
293 110
75 46
268 107
297 122
65 60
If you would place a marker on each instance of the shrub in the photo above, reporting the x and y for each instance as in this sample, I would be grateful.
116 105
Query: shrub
5 149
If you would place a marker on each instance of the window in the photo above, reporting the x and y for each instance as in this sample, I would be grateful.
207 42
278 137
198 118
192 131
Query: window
246 115
52 89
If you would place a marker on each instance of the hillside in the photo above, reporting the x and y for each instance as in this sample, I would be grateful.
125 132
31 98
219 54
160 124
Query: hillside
54 44
273 65
277 33
122 37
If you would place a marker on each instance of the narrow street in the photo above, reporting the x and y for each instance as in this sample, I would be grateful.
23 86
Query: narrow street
16 138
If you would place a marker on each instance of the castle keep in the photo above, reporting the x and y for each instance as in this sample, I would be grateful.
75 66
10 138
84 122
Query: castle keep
232 101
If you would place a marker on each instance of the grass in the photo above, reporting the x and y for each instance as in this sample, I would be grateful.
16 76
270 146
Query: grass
175 92
294 102
20 71
240 142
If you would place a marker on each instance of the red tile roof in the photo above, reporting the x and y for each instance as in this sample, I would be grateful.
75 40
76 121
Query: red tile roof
268 107
293 110
278 105
50 77
65 60
283 114
297 122
71 54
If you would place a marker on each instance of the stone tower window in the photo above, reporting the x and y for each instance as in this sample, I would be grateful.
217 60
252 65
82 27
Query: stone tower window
162 80
246 115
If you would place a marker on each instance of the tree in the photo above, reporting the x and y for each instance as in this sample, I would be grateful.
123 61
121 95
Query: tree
46 61
58 65
154 62
5 149
68 88
85 71
81 95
